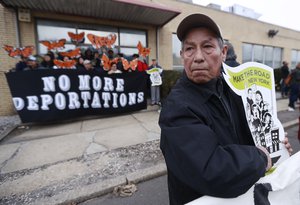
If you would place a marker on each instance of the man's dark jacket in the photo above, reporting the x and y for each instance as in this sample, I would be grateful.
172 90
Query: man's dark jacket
206 143
284 71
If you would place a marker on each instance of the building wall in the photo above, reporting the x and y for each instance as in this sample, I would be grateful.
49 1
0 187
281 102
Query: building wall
28 36
236 29
8 36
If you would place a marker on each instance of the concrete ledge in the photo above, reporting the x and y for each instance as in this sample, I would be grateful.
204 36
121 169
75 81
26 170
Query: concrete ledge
83 193
7 131
290 123
98 189
147 174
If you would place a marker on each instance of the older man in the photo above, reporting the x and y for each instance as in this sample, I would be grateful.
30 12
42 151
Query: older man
32 64
205 139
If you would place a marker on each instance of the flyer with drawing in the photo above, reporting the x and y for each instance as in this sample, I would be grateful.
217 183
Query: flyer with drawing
254 82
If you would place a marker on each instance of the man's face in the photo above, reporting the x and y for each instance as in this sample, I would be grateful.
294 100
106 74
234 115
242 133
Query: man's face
114 67
202 55
32 64
88 66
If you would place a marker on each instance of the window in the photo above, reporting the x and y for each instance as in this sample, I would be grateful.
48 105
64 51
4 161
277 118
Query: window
277 57
127 39
247 52
295 58
176 47
258 53
47 31
268 55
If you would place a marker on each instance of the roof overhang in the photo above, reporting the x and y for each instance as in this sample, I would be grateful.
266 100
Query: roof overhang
130 11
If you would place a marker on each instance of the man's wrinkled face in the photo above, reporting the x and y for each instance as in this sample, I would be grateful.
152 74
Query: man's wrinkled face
202 55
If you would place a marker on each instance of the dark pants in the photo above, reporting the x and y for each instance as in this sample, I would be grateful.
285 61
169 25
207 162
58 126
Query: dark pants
295 87
284 88
155 94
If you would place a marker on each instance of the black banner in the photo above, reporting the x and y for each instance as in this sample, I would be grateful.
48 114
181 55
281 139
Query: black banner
53 95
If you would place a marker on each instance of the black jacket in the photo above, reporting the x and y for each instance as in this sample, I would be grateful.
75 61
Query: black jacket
206 142
232 63
284 72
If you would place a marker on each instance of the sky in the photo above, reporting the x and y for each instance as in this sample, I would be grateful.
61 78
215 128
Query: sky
284 13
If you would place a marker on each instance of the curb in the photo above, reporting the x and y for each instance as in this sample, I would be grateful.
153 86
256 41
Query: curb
8 131
98 189
290 123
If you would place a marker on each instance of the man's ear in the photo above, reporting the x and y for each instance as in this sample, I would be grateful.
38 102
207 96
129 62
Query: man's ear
224 52
181 53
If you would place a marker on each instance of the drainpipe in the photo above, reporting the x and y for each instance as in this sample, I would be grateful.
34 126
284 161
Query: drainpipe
18 38
157 44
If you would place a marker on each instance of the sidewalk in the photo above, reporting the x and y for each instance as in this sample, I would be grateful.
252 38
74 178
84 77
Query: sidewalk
62 163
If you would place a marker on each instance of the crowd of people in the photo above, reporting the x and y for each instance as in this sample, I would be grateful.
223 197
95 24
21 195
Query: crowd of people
290 84
89 60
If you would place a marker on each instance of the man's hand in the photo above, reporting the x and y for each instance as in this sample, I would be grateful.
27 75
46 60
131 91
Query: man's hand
269 165
287 145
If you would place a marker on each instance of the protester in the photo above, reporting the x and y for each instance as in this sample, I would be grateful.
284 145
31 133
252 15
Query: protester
96 61
32 64
110 54
294 87
119 62
113 69
66 58
51 54
88 65
284 71
205 138
79 64
88 54
142 65
47 61
22 64
156 81
231 56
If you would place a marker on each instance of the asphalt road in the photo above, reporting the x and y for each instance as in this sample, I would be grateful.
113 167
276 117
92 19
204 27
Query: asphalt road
155 191
152 192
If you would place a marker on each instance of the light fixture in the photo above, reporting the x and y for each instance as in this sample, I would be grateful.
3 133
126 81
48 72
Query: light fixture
272 33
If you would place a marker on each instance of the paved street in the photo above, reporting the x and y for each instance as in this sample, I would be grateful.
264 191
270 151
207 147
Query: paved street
152 192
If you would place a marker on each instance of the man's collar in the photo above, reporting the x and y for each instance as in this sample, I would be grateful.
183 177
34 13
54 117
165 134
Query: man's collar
205 90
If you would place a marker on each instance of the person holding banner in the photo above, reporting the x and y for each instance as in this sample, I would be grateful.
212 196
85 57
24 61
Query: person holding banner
205 138
32 64
155 72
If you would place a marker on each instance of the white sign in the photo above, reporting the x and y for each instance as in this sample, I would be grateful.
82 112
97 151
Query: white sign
254 82
155 76
24 15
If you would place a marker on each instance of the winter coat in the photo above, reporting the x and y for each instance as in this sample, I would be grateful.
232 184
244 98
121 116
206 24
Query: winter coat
206 142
